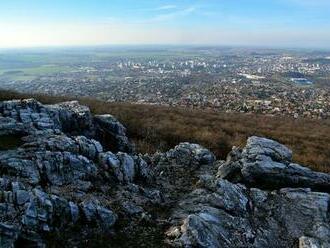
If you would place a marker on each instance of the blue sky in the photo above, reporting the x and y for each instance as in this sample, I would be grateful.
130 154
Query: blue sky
291 23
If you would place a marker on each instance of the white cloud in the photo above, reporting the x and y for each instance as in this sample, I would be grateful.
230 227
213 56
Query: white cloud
172 15
166 7
161 8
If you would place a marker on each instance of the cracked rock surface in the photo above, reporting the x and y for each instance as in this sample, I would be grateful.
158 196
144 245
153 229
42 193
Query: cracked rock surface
258 198
52 183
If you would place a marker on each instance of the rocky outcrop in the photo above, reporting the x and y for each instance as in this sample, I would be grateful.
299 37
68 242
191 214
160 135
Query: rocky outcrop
113 133
268 202
190 155
69 116
30 213
176 170
73 180
29 116
222 214
48 184
268 164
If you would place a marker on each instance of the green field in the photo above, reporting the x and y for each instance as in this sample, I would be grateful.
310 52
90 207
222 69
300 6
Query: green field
32 72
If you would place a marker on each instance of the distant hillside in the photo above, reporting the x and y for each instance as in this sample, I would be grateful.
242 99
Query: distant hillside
155 128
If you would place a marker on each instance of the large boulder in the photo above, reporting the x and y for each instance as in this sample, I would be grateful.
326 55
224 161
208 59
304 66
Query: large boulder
28 116
38 166
268 202
30 113
223 214
126 168
112 133
268 164
72 117
190 155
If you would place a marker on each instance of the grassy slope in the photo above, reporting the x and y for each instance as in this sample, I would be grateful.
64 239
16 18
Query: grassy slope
160 128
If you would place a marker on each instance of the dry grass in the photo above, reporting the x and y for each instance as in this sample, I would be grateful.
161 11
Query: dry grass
159 128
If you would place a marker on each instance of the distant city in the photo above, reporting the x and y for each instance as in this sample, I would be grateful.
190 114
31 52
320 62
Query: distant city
269 81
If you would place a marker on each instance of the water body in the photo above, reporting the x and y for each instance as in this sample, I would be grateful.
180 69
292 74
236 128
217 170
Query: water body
302 81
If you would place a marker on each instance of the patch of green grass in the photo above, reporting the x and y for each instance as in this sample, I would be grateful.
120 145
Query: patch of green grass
22 77
47 69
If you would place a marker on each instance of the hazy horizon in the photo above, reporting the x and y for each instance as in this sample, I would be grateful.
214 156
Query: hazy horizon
256 23
141 47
